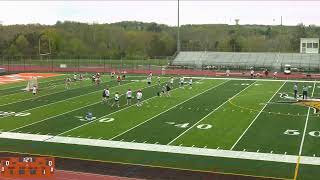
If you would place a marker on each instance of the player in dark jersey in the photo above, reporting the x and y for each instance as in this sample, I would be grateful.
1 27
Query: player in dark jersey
119 79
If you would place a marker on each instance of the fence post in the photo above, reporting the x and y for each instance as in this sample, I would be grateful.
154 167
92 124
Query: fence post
104 64
78 64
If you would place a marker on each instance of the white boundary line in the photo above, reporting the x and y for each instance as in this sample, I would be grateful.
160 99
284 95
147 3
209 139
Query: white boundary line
257 116
162 148
169 109
210 113
26 81
243 79
42 95
67 99
64 112
89 122
306 124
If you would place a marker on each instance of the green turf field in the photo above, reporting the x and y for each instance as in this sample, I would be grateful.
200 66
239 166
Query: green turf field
237 126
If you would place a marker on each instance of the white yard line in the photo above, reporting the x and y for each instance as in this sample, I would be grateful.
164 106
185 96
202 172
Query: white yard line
109 113
168 110
39 96
163 148
306 124
256 117
242 79
24 85
209 114
63 113
66 99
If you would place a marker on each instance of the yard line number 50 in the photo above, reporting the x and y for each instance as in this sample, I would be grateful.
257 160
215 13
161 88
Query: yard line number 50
294 132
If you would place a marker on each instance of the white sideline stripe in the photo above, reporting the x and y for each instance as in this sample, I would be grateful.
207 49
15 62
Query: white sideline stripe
169 109
22 86
306 124
164 148
108 114
145 101
42 95
256 117
210 113
37 107
242 79
61 113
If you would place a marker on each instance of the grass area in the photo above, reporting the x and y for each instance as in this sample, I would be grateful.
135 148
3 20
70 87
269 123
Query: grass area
227 114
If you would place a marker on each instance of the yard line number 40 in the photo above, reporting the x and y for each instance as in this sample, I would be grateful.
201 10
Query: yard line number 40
294 132
184 125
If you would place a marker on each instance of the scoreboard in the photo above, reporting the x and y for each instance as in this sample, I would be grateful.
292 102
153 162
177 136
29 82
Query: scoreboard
27 167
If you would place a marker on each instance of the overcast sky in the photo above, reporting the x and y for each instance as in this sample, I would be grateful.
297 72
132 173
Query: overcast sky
191 12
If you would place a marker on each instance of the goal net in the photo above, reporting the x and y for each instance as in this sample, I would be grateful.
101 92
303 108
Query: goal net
31 83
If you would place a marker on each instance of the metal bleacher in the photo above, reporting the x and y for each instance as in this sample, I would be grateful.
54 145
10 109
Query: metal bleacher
246 60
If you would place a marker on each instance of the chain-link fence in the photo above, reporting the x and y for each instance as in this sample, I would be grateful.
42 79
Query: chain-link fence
79 63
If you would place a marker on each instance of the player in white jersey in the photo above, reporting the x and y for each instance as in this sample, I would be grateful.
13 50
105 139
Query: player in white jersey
34 90
129 96
190 83
67 83
171 82
181 81
116 100
105 95
75 77
159 80
149 80
107 92
139 98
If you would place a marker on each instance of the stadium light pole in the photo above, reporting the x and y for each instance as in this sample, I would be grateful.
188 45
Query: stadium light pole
178 29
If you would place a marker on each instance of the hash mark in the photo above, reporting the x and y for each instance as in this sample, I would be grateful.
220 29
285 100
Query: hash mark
180 145
89 137
271 152
144 141
121 139
192 146
218 147
100 138
258 150
205 147
285 153
156 142
244 149
314 155
133 140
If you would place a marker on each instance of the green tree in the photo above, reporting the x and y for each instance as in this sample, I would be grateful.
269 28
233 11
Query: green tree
22 45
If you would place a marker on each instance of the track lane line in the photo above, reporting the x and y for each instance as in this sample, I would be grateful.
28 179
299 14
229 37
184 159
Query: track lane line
210 113
256 117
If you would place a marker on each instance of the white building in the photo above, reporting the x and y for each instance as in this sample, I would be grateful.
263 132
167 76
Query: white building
309 45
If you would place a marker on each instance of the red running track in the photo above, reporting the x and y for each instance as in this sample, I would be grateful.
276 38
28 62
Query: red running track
70 175
144 70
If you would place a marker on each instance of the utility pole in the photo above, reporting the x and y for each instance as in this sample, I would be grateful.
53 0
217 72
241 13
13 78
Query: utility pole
178 29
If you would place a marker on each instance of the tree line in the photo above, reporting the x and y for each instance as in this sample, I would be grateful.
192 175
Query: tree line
147 40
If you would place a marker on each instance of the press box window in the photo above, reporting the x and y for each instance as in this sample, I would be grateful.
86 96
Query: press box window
309 45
